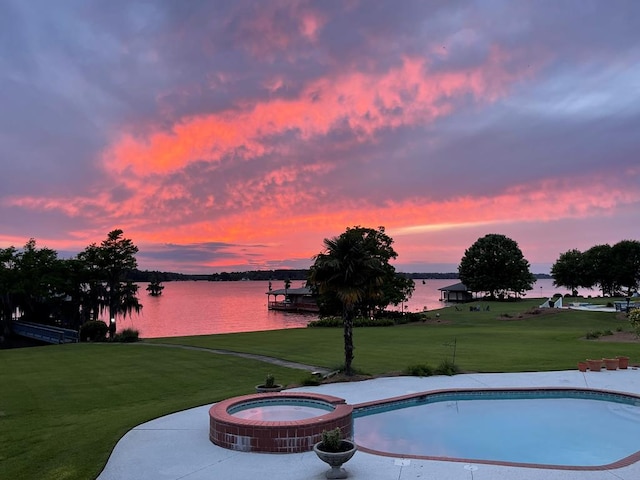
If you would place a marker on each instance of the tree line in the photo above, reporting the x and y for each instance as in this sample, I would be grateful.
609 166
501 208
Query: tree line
37 286
615 270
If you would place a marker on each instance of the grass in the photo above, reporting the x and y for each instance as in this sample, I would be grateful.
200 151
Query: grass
63 408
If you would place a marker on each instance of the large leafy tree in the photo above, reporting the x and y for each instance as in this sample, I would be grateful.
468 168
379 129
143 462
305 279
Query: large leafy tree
626 261
353 270
108 264
495 264
599 269
38 283
569 271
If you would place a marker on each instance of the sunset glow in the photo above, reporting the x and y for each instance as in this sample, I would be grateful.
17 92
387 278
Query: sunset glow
238 137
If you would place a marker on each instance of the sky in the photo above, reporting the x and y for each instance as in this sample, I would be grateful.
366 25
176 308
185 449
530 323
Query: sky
238 135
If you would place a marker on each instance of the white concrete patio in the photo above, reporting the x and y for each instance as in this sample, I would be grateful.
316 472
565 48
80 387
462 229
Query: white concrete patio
177 447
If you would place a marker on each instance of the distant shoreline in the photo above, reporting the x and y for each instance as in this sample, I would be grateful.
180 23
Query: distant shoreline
273 275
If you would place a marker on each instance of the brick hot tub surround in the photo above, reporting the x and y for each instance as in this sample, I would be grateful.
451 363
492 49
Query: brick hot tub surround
294 436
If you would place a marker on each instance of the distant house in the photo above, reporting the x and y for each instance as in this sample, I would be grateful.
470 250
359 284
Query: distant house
293 300
456 293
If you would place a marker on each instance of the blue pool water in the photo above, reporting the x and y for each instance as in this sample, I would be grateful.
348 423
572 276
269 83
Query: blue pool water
569 428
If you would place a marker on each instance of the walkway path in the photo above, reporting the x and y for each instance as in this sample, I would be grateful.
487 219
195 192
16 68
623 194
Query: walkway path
252 356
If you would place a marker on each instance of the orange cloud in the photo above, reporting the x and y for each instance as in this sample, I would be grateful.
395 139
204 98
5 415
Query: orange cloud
364 100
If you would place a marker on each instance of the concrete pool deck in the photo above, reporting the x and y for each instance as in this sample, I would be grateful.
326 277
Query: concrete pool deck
177 446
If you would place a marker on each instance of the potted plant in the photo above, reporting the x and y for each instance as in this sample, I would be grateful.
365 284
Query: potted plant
611 363
269 385
334 450
582 366
595 365
623 362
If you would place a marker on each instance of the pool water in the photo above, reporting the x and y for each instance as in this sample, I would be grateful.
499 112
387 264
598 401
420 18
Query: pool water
585 431
270 410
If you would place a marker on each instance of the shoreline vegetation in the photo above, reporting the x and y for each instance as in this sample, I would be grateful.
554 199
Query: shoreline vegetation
91 394
273 275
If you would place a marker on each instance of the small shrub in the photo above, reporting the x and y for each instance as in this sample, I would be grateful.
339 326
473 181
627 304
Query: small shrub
593 335
94 331
332 440
128 335
422 370
619 329
311 381
634 320
447 367
607 333
334 322
269 381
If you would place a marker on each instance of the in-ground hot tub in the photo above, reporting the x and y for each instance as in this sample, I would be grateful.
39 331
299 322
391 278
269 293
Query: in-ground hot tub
277 422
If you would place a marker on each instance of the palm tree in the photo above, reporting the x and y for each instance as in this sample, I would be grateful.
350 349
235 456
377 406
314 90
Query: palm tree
353 268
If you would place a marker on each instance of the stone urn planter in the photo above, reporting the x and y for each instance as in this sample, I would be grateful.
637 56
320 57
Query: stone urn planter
335 452
269 385
623 362
611 363
582 366
594 365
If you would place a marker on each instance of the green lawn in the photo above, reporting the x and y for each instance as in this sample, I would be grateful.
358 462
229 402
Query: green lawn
63 408
486 341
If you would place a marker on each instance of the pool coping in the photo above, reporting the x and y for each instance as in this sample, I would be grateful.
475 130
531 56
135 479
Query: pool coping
623 462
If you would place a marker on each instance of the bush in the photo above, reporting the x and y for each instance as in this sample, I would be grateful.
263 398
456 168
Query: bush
634 320
128 335
422 370
311 381
94 331
593 335
447 367
357 322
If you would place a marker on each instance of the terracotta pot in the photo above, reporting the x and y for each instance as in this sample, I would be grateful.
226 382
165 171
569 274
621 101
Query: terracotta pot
582 366
623 362
594 365
611 363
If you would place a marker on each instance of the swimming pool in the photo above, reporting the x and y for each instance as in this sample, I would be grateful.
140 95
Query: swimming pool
553 428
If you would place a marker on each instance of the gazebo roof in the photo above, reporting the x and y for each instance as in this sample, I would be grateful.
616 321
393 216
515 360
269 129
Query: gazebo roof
290 291
457 287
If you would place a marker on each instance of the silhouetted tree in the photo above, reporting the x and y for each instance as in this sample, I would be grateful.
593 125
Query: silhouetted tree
109 264
495 264
353 269
155 288
626 262
599 269
569 271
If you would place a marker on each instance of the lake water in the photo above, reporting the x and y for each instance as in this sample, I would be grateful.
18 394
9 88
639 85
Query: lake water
203 308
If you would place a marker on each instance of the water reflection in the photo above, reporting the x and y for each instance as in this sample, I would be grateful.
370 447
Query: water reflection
202 308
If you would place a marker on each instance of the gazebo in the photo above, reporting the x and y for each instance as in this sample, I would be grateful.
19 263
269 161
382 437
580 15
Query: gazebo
295 300
456 293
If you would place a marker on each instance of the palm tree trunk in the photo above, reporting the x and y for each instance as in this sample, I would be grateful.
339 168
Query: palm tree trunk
348 340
